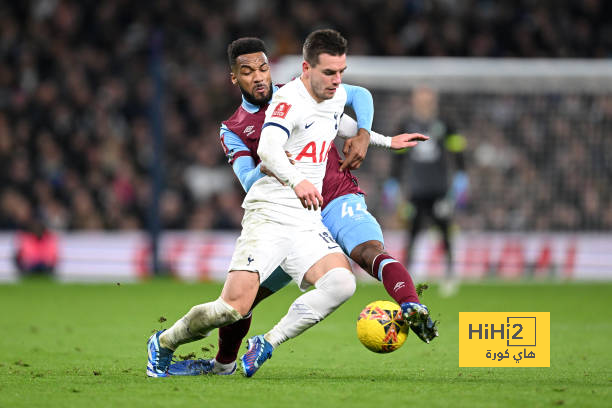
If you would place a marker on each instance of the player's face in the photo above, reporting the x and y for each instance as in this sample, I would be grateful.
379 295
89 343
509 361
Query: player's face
325 77
252 75
424 104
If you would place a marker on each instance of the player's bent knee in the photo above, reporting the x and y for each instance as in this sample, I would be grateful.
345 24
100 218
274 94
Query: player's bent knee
332 261
364 253
338 281
325 264
240 290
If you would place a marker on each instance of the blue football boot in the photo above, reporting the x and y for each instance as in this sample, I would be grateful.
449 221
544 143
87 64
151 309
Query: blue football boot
259 350
417 317
159 357
198 367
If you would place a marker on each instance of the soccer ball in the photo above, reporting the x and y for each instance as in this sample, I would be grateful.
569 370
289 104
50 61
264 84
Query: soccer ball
381 327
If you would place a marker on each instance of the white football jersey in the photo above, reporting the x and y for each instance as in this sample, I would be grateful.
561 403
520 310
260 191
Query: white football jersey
311 128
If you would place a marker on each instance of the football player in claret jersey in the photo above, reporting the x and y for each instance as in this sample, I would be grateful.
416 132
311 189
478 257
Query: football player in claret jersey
344 210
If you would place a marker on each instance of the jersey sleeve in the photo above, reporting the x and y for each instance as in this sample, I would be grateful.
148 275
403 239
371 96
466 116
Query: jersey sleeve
246 171
281 119
232 145
348 128
240 158
281 114
360 99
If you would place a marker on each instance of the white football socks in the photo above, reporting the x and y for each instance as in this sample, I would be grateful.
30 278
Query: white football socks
223 369
331 290
198 322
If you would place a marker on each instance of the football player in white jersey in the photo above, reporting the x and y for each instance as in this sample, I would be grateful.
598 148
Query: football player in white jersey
282 222
302 119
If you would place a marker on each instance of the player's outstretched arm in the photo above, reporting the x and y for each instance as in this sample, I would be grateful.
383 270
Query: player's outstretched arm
348 128
405 140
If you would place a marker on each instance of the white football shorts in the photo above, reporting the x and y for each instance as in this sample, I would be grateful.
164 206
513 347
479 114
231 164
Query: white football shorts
264 245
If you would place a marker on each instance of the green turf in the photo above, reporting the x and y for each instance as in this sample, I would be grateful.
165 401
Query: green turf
71 345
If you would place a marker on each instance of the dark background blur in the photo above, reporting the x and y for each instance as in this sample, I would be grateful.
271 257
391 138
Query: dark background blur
75 91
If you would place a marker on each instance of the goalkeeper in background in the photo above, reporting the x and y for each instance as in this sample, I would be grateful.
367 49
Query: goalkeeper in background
425 175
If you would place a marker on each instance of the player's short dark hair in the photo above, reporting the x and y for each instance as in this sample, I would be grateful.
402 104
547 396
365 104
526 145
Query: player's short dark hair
244 45
326 41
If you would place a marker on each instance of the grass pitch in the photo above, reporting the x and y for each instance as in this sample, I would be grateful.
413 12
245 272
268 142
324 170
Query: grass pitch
69 345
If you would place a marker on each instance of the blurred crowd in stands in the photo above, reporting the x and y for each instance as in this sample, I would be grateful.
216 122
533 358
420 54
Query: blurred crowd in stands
75 91
536 162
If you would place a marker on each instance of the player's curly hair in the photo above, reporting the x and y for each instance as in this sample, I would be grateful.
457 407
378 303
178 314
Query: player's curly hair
244 45
326 41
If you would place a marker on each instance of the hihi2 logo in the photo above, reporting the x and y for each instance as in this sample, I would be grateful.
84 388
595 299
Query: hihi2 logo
504 339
